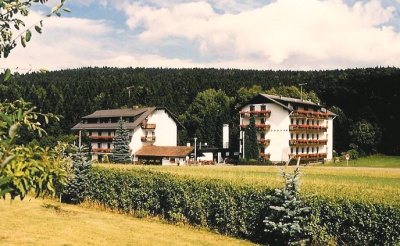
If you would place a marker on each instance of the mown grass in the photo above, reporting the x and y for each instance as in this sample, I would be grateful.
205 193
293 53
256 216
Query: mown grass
378 161
47 222
363 183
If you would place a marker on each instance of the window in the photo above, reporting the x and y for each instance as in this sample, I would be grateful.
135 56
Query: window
109 145
262 135
252 107
262 120
99 133
99 145
263 107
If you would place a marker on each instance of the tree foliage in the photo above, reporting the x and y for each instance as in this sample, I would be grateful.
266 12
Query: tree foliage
25 168
74 191
287 225
365 136
367 93
206 116
294 92
121 152
12 15
251 150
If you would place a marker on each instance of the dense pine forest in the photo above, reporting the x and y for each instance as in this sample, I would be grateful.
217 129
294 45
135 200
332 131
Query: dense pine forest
365 100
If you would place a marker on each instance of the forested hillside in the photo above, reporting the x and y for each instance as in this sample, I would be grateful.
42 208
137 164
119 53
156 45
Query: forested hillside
366 100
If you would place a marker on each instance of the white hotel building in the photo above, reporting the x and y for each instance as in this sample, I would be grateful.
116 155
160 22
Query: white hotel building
289 128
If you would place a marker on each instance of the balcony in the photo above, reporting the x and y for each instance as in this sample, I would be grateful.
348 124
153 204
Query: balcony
102 150
309 128
256 113
148 126
101 137
148 138
264 142
309 114
265 156
307 142
263 127
310 156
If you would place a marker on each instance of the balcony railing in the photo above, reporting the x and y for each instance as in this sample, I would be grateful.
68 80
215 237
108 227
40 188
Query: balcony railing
302 142
103 150
256 113
265 156
148 138
263 127
148 126
264 142
101 137
259 127
305 127
311 156
309 114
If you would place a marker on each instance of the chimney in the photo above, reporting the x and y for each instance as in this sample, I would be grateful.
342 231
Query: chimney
225 136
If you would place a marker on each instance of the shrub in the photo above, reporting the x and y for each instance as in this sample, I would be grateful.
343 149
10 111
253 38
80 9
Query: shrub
238 210
287 224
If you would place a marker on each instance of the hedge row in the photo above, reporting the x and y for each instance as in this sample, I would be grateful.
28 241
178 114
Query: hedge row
236 210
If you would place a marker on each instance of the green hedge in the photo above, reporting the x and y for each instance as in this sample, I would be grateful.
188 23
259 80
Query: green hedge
236 210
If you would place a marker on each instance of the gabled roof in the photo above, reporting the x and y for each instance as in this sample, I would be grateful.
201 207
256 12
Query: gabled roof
107 113
285 102
140 114
165 151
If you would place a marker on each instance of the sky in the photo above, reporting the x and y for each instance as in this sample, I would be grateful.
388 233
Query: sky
240 34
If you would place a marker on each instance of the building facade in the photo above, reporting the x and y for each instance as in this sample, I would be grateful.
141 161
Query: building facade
147 126
289 128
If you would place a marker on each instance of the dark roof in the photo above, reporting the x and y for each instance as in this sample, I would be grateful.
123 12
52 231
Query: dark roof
139 113
118 113
285 101
165 151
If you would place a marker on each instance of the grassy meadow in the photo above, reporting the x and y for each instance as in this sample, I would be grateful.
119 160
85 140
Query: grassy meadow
372 179
47 222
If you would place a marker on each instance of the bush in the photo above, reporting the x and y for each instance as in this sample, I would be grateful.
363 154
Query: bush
237 210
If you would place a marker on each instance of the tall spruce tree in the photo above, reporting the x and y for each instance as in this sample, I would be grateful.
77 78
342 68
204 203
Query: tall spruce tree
74 191
121 144
251 150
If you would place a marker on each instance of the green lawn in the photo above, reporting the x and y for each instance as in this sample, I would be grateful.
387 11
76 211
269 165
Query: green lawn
379 161
47 222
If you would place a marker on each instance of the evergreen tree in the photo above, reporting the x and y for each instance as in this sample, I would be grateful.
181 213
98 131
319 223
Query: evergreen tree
287 224
251 150
121 144
75 190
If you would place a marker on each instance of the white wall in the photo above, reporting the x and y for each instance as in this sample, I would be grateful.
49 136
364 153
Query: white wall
166 132
279 133
330 139
166 129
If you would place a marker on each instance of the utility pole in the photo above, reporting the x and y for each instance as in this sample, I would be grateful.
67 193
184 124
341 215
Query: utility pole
195 151
129 90
301 90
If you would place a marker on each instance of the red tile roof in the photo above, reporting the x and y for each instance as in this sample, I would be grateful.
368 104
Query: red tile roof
165 151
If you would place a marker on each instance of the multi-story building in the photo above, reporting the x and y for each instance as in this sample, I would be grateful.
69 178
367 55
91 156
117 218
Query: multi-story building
153 126
289 128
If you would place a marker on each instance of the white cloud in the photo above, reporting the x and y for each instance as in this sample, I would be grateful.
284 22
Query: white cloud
276 32
281 34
